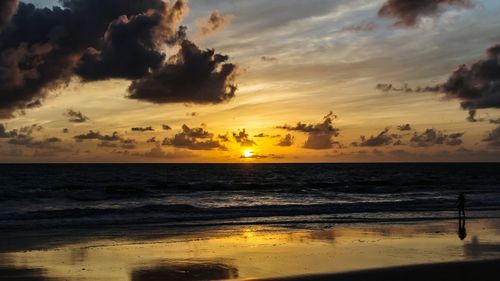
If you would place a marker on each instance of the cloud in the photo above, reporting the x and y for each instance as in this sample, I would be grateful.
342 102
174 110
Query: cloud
6 134
405 127
493 137
268 59
91 135
158 152
42 49
213 23
166 127
143 129
194 139
30 142
360 27
320 136
287 140
243 138
193 76
477 86
408 12
65 131
7 10
76 116
382 139
435 137
223 138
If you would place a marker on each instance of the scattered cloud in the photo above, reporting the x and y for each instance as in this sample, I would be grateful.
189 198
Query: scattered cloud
194 139
268 59
405 127
213 23
382 139
320 136
143 129
243 138
432 137
76 116
287 140
166 127
493 137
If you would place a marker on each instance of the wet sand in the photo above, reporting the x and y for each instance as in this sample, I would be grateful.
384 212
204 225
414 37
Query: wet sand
423 251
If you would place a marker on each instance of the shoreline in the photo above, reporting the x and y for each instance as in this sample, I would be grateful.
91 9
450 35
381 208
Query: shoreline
484 270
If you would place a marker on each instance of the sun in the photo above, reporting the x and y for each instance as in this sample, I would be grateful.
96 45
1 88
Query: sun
247 153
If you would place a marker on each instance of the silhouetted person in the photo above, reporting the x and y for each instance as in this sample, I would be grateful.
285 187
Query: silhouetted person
462 232
461 205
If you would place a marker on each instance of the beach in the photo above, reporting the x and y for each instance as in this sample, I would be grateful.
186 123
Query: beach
429 250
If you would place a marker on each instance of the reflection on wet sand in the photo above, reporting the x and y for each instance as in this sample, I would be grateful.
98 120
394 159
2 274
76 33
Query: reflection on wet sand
186 271
476 249
255 252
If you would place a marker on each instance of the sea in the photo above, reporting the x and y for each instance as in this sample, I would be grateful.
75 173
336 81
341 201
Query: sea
95 195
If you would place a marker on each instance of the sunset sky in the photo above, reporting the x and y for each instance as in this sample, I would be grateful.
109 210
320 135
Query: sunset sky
283 80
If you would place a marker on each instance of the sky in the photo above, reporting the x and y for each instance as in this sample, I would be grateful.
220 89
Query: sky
249 81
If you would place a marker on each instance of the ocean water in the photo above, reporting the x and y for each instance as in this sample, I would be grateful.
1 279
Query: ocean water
47 196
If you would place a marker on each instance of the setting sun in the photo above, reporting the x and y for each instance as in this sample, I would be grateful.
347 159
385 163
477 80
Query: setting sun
247 153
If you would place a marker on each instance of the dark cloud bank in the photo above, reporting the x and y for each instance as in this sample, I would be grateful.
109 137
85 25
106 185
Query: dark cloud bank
41 49
476 86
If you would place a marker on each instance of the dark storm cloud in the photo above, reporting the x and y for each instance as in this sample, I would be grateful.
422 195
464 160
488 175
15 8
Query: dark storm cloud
243 138
194 139
76 116
41 49
213 23
493 137
7 10
435 137
128 51
477 86
193 76
287 140
320 136
408 12
143 129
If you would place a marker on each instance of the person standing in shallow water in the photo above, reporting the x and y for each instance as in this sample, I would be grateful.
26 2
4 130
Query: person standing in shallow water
461 205
462 232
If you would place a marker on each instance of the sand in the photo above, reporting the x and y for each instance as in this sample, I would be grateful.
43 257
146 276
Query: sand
404 251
